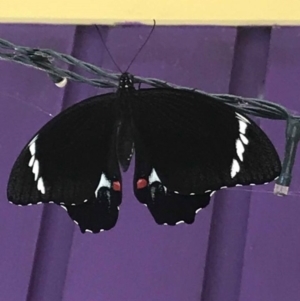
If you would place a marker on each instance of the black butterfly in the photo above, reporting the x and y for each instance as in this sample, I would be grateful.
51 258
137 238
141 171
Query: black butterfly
187 146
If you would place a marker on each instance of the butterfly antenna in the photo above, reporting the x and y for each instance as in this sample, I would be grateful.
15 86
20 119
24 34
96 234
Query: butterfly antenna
107 49
154 23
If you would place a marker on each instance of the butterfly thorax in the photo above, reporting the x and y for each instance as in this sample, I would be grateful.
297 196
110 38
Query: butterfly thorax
124 139
124 93
126 83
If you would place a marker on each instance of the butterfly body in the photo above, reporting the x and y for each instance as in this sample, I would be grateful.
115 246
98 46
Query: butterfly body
187 145
125 143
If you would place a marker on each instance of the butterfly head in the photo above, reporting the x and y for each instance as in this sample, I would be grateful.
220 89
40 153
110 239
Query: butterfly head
126 82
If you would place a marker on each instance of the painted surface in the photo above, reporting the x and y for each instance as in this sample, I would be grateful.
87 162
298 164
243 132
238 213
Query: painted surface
244 246
204 12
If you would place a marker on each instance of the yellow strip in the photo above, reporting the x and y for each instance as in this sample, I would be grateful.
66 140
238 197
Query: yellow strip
171 12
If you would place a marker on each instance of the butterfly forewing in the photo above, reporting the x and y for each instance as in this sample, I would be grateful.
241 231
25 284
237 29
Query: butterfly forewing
197 144
69 157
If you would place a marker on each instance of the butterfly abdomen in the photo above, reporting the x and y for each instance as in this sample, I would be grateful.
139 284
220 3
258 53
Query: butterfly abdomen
125 144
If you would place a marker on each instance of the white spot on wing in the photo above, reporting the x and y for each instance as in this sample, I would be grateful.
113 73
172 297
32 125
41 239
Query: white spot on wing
104 182
41 186
34 164
33 140
239 149
35 169
242 127
180 222
244 139
235 168
242 117
198 210
153 177
32 148
31 161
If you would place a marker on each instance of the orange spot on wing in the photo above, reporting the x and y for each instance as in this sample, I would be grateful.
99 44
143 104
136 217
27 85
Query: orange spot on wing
141 183
116 186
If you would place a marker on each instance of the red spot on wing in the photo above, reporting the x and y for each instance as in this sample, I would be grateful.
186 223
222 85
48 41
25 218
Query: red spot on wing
116 186
141 183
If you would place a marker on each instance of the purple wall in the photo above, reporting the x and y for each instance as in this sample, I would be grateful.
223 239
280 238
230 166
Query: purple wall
244 247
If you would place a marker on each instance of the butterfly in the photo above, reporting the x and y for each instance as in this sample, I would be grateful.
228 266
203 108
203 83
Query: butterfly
187 145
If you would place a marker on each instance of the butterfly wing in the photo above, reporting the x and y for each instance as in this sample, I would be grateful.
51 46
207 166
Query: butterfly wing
95 216
165 206
101 211
71 160
197 144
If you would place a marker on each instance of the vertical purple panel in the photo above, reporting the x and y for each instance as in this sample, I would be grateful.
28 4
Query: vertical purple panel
51 262
271 269
231 207
139 260
27 98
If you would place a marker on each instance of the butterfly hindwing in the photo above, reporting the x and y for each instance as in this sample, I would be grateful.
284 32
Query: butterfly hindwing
71 158
197 144
166 207
94 216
